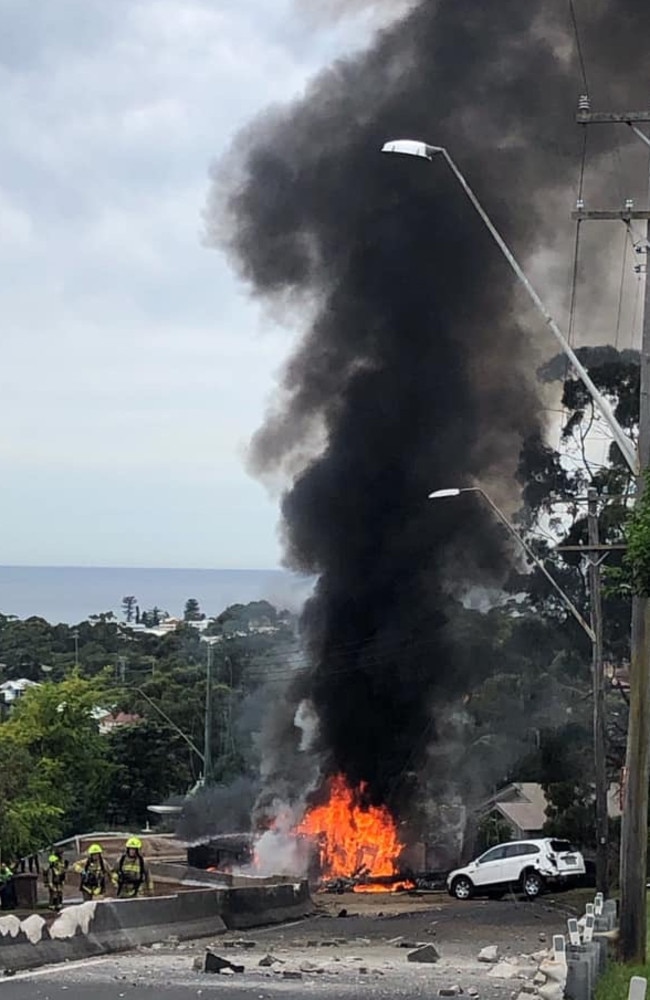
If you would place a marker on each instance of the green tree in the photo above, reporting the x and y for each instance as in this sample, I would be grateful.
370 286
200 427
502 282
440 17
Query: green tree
192 612
149 764
55 725
128 607
492 830
30 815
635 575
153 617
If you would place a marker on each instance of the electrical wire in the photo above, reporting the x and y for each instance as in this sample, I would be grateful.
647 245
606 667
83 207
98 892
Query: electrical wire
635 313
575 270
581 55
622 286
576 249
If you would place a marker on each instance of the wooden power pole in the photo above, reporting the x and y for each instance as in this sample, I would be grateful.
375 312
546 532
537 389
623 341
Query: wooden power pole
600 728
634 838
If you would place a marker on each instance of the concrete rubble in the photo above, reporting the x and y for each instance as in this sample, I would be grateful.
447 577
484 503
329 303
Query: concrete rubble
507 968
489 954
269 961
534 976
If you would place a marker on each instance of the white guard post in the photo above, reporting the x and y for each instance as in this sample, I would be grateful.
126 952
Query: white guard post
638 988
574 933
559 948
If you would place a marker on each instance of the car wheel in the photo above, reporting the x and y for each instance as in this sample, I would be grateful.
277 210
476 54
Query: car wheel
532 884
462 888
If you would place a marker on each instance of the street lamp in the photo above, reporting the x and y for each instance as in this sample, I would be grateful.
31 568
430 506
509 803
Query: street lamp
448 494
412 147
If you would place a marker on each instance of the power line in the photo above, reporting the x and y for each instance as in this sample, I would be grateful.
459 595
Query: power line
581 57
576 265
622 287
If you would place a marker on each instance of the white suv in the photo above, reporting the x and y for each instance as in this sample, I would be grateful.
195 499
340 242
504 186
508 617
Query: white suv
527 865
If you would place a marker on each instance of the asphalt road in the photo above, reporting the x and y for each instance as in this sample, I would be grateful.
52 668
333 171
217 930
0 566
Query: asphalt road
55 986
51 989
360 955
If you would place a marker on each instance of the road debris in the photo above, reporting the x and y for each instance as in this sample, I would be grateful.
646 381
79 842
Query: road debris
426 954
489 954
215 964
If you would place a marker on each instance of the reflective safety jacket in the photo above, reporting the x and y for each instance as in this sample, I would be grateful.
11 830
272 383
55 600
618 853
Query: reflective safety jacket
132 871
55 873
93 871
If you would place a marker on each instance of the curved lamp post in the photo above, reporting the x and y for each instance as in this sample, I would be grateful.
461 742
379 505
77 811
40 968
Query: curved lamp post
412 147
448 494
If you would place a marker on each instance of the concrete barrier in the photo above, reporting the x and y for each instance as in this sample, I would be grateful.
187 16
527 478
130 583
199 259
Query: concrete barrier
99 928
580 982
112 925
256 906
166 871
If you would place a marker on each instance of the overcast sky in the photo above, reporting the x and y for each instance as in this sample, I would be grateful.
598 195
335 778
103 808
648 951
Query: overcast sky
134 369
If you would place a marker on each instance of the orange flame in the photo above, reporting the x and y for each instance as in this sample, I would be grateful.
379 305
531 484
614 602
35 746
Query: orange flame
354 840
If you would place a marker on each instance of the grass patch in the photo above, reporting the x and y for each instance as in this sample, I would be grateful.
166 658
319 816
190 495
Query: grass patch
615 984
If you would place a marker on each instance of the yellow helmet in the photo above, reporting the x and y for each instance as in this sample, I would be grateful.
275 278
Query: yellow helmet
95 849
135 843
53 858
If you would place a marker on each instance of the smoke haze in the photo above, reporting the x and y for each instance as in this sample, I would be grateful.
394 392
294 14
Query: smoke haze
416 370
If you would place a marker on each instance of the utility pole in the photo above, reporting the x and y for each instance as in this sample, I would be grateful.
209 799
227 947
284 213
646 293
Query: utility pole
208 775
600 728
634 837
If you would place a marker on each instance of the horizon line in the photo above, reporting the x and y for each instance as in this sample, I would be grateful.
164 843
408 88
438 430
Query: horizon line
186 569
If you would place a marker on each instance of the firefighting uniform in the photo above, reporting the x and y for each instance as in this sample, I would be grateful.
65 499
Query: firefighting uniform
94 871
131 875
54 877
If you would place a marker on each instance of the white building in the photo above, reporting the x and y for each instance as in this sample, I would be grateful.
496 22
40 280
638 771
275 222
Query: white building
10 691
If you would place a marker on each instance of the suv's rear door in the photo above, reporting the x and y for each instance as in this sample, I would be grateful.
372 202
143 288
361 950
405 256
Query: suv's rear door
518 857
568 860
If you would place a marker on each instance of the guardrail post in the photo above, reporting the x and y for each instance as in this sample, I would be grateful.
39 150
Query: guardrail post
638 988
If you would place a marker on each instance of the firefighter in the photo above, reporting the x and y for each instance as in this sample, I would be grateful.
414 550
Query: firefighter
7 887
131 873
93 870
54 877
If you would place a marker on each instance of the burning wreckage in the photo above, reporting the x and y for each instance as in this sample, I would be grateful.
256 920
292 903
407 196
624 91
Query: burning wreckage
343 844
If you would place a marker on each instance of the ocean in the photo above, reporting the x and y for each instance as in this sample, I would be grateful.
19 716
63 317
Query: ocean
70 594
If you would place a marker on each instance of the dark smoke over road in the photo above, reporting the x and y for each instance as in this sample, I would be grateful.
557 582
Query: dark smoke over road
416 368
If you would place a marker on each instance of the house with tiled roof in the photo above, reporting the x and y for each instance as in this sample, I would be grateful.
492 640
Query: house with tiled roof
522 807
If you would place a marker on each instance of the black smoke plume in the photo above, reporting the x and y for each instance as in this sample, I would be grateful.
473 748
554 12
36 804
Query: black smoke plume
417 366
